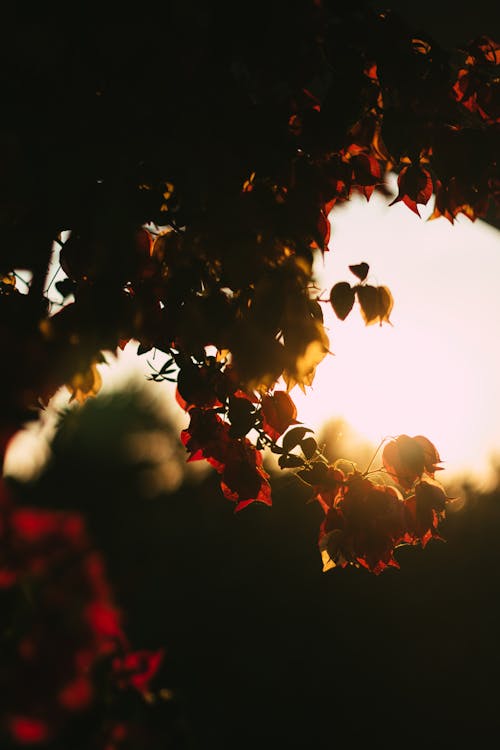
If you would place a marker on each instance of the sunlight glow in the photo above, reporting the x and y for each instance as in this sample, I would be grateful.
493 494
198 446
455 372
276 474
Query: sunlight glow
435 370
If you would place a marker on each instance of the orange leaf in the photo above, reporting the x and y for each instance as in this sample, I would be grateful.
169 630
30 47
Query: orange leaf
368 302
404 460
85 384
415 186
385 302
431 455
376 303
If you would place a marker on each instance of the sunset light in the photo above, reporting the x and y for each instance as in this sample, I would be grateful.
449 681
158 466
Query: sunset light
250 423
435 369
432 370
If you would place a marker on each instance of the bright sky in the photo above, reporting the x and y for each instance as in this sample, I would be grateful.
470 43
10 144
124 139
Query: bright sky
435 371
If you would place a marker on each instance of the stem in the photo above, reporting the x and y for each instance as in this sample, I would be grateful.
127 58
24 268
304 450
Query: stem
374 455
52 279
40 271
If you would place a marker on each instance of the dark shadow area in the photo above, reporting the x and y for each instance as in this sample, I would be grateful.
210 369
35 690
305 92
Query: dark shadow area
262 648
446 21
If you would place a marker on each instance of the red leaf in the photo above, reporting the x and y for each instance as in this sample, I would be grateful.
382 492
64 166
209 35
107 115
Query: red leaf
34 524
207 437
278 413
431 455
415 186
137 668
243 478
424 511
77 694
28 731
105 622
404 460
323 231
364 526
197 386
366 173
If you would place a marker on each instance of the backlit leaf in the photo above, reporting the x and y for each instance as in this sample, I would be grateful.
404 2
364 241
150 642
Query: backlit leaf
85 384
386 303
404 460
278 413
415 186
376 303
368 299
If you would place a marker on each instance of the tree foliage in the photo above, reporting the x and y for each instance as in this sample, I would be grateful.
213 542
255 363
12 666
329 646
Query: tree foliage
186 188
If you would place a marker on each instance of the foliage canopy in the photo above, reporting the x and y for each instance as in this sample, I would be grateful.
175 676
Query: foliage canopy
186 188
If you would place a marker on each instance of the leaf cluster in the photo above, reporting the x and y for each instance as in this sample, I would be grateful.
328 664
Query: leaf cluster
375 302
191 186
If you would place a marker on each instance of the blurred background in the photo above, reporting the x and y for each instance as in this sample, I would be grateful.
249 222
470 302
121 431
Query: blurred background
262 648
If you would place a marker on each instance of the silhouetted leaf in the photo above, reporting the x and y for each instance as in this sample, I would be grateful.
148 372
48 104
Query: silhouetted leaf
290 461
315 474
241 415
342 299
360 270
65 287
293 437
308 446
275 448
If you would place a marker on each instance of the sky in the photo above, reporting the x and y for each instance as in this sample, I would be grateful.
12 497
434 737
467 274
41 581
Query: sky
435 369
